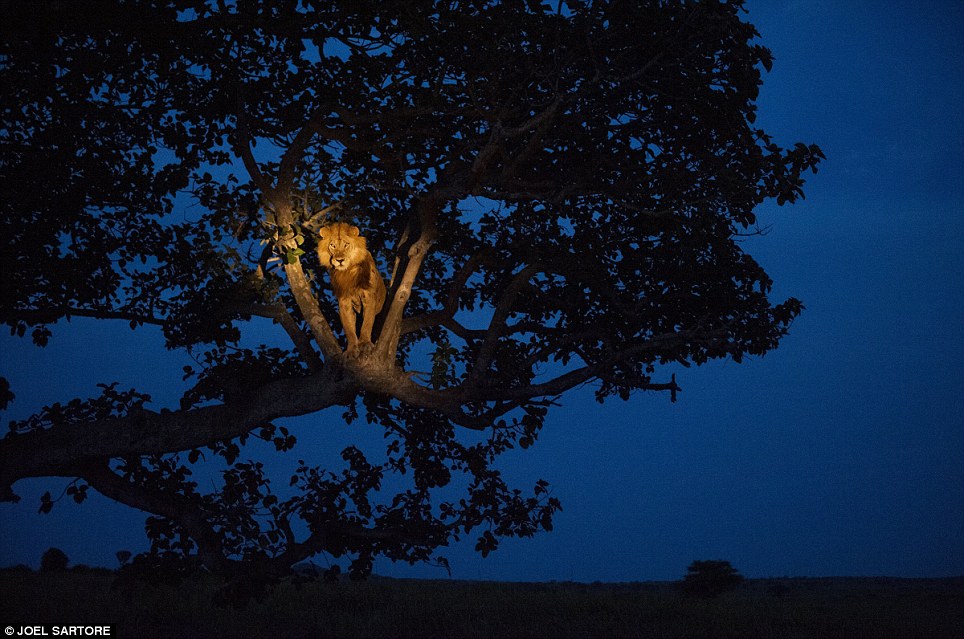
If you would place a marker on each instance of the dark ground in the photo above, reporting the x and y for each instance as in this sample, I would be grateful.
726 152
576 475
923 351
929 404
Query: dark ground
785 608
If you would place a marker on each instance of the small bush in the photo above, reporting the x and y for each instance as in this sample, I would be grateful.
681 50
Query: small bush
710 579
19 569
54 560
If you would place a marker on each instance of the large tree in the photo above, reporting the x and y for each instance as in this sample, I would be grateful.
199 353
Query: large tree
555 191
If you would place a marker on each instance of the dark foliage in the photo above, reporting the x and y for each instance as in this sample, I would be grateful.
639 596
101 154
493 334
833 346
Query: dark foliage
557 190
839 608
710 579
54 560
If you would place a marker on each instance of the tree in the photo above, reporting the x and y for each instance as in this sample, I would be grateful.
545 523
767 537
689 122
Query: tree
710 578
557 190
54 560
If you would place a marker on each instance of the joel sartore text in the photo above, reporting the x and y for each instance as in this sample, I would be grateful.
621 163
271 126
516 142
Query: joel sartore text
59 631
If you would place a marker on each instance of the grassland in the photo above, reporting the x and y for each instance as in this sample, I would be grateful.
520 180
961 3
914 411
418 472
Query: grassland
785 608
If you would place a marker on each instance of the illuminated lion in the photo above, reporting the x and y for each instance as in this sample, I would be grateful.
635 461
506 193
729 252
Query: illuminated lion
355 279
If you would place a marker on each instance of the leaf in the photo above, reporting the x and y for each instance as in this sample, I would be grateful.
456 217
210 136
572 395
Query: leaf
41 335
291 256
46 503
6 395
80 494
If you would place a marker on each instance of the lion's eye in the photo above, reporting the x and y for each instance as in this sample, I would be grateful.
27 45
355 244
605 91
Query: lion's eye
332 246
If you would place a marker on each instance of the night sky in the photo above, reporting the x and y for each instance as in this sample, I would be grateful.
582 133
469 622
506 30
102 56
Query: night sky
840 453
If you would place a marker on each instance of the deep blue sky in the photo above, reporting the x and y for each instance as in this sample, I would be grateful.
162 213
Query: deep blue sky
841 453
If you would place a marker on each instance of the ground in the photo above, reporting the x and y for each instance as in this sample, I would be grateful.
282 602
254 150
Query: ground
787 608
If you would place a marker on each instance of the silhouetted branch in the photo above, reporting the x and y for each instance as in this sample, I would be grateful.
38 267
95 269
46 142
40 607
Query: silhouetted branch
46 452
571 379
427 210
301 341
451 306
295 153
242 147
188 514
196 521
497 324
50 315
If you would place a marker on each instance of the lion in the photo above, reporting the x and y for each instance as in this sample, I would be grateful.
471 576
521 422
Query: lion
358 286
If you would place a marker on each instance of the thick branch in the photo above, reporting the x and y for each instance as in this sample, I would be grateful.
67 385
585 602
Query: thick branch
308 304
383 377
145 432
428 209
277 200
320 540
50 315
188 514
279 312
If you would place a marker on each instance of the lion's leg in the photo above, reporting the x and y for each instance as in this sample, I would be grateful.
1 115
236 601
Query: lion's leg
347 314
368 321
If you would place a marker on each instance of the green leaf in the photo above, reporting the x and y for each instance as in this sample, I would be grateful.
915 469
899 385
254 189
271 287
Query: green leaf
291 256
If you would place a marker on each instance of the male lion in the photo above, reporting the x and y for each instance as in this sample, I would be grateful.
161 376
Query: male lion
358 286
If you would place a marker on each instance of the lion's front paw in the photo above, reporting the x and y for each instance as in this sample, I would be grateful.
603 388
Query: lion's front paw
360 350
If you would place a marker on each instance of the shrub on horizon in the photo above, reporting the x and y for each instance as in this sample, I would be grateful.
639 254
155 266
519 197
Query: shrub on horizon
54 560
708 579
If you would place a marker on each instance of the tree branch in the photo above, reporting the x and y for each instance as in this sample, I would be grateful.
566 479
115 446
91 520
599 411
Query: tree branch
310 309
427 209
306 301
178 508
195 520
451 306
295 153
573 378
242 146
45 316
301 341
144 432
497 323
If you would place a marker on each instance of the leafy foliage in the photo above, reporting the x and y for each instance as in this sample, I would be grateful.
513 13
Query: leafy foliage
557 190
710 578
54 560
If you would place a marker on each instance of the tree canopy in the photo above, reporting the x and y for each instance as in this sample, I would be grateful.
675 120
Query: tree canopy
554 192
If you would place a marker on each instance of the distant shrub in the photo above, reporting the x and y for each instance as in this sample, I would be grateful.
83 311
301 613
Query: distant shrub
19 569
54 560
710 579
90 570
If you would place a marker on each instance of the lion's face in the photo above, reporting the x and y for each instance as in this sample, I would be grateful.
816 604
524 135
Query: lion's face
340 247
